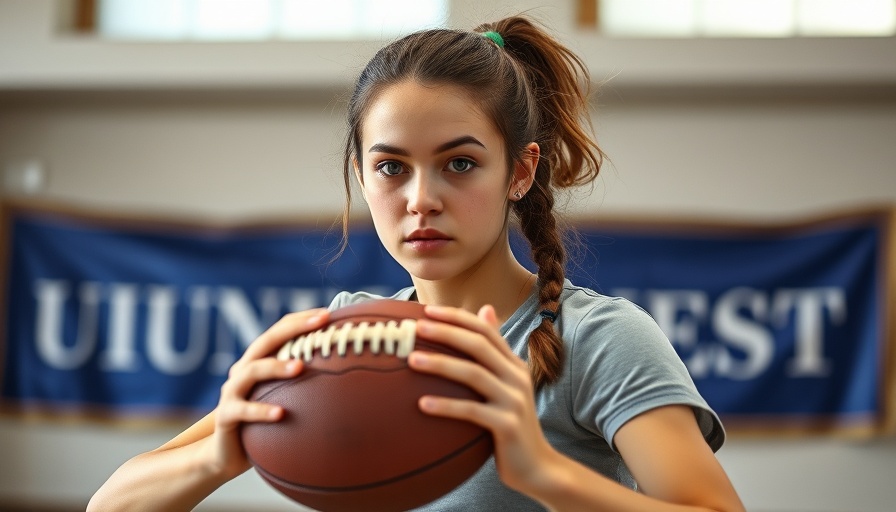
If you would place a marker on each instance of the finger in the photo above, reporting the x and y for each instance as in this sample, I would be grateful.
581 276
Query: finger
478 413
244 377
234 412
476 345
487 314
470 374
471 322
287 328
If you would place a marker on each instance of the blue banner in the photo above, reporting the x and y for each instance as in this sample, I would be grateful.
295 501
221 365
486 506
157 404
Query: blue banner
774 323
781 325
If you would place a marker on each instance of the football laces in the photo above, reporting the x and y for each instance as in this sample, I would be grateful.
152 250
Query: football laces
390 337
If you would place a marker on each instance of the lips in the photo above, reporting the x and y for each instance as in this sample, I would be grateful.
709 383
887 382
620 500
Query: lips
427 234
426 241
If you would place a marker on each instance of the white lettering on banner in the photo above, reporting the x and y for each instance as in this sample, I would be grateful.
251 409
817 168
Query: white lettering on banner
238 316
120 355
744 320
809 305
742 332
160 335
51 295
121 348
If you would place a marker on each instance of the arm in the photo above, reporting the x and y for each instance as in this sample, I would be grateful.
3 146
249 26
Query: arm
663 447
665 451
184 471
175 476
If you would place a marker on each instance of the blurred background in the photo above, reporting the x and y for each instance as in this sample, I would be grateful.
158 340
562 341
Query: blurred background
753 111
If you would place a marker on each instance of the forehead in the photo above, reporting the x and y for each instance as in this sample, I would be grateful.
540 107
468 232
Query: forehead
409 111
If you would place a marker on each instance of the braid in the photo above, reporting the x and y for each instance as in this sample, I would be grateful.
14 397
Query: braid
539 226
558 83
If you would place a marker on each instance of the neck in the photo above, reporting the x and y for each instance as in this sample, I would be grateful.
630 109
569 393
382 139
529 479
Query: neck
499 280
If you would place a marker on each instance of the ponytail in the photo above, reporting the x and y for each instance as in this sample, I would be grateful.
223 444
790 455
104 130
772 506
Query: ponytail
559 82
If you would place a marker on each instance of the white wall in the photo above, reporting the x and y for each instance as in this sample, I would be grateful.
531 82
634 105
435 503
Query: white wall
733 129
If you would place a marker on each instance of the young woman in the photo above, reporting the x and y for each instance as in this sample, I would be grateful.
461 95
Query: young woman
451 135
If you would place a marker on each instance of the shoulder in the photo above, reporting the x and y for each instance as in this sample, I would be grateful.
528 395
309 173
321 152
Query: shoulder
621 364
585 311
345 298
612 331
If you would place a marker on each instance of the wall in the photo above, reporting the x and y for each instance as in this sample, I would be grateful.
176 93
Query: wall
762 131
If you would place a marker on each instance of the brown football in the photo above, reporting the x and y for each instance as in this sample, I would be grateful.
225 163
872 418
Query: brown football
353 437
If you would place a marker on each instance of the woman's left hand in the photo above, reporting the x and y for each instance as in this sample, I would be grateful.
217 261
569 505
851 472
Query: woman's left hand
499 376
526 461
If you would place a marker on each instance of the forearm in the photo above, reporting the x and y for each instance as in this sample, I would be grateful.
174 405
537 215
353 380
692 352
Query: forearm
565 485
165 480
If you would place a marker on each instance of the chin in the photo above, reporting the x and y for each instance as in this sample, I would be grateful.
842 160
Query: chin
430 270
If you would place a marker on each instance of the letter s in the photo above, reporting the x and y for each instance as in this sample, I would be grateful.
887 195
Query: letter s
743 333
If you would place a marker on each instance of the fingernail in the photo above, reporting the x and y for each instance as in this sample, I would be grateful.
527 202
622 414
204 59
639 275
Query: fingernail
427 403
314 318
275 413
418 358
293 366
424 326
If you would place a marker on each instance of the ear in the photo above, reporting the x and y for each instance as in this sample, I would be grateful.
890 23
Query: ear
359 177
524 172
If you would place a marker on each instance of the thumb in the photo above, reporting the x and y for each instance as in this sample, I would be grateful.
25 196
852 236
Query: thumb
487 314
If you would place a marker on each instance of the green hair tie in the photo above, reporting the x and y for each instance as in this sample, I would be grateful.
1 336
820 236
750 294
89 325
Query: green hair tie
496 37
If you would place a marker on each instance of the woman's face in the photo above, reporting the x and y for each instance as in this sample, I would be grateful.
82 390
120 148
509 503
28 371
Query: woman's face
434 174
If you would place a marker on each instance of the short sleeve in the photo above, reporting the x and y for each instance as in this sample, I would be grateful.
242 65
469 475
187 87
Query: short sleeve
623 365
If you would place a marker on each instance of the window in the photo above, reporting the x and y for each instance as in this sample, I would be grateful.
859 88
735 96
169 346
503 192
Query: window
746 18
253 20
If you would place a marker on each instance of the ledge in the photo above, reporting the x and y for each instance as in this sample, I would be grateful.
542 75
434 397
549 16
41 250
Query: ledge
851 66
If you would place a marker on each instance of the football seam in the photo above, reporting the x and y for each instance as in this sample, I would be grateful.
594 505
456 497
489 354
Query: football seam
315 372
361 487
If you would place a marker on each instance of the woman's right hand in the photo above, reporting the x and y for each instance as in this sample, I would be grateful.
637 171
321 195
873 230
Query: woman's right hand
228 458
184 471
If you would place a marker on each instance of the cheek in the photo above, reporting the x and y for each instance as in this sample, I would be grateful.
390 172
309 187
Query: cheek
483 207
383 204
492 198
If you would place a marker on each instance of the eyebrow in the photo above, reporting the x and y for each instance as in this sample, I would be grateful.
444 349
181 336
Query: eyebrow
451 144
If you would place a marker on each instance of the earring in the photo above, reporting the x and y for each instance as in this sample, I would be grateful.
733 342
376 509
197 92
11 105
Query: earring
518 195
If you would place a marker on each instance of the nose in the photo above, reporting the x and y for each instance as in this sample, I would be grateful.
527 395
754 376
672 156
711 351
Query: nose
424 195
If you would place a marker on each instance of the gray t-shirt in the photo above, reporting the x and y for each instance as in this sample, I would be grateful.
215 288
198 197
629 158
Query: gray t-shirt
618 364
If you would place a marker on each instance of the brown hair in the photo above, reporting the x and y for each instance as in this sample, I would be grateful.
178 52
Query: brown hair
535 90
